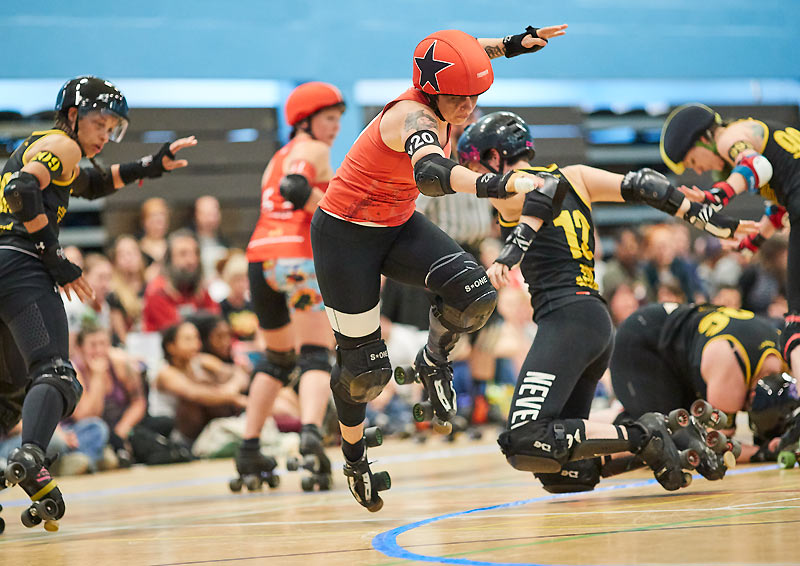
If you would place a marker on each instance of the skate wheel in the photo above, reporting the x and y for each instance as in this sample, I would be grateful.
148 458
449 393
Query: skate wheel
422 411
307 484
442 427
373 436
236 485
717 441
28 519
273 481
677 419
311 463
687 479
404 374
292 464
324 483
735 447
690 459
786 460
252 483
2 526
718 420
46 509
15 473
382 481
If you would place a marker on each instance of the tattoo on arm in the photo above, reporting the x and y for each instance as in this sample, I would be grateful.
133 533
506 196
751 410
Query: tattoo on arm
495 51
419 120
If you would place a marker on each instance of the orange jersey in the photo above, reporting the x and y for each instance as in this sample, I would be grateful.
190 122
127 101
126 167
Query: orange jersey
375 183
281 231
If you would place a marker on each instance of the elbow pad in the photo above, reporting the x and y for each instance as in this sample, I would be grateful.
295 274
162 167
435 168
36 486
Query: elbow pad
295 189
545 202
24 197
93 183
651 188
432 175
756 171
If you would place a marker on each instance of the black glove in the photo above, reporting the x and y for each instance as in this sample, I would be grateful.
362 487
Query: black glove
295 189
148 167
704 216
513 43
53 258
516 245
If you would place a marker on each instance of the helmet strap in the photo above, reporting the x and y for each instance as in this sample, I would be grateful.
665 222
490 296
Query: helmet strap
433 102
492 169
711 146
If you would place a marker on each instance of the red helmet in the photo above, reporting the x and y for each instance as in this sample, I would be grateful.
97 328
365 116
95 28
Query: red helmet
452 62
309 98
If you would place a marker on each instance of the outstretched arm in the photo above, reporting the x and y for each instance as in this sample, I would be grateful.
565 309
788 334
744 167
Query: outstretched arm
531 40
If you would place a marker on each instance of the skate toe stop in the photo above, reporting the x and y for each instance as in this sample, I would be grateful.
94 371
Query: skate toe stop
51 526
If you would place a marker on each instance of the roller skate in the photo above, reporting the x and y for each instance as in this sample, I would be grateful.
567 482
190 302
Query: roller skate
439 407
313 460
255 469
717 452
789 445
363 484
2 522
27 466
661 454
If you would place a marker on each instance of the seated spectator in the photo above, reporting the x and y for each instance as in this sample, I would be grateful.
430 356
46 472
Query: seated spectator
97 271
236 307
203 387
112 384
728 296
206 221
625 267
622 303
665 266
765 278
127 287
153 242
179 291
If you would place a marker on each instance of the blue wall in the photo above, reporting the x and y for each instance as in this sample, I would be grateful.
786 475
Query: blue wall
345 41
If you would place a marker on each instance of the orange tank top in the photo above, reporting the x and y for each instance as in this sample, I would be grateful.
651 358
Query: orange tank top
281 231
375 183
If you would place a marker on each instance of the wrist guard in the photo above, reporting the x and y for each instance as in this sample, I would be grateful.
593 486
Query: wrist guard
516 245
52 256
720 194
492 185
148 167
513 43
651 188
704 216
775 213
752 243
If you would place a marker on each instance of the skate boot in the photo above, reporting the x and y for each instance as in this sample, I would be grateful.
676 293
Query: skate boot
313 460
255 469
660 453
439 407
363 484
717 452
27 466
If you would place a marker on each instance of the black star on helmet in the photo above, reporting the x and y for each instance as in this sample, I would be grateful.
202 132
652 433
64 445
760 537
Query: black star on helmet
428 68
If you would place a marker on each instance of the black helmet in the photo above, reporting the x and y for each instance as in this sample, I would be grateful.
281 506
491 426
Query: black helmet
89 94
682 128
771 405
502 131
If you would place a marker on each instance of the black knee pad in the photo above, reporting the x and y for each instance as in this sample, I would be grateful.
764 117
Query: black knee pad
278 365
60 374
361 373
313 358
465 299
581 475
349 414
11 399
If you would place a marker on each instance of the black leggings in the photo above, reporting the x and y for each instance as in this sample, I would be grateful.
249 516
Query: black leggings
643 379
571 351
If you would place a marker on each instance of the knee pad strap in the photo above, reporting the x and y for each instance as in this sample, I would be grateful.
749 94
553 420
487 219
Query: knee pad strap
361 373
59 373
278 365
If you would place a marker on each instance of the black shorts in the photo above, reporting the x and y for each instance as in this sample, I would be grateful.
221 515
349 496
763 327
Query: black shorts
33 324
643 379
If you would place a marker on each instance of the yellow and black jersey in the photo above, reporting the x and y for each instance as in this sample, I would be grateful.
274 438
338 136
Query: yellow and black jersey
55 196
559 265
782 148
689 329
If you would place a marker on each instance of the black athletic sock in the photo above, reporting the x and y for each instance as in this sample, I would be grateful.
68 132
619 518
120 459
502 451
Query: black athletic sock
353 452
251 443
42 410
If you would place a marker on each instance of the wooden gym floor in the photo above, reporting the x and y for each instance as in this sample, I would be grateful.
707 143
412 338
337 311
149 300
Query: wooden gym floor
456 503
